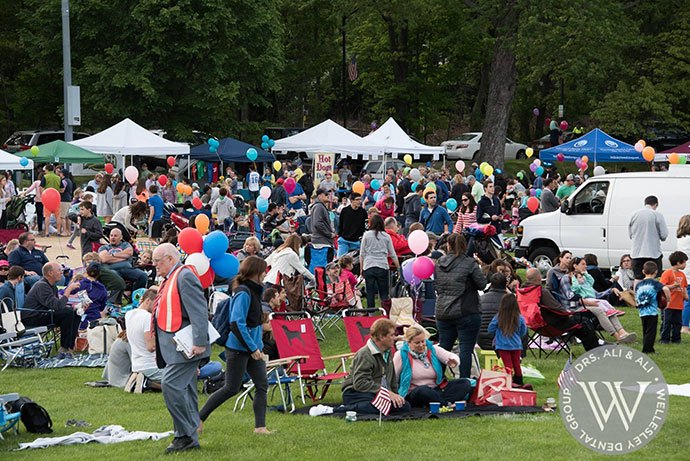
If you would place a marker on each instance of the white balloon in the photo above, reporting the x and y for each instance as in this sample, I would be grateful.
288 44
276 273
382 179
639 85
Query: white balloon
418 242
131 174
415 174
200 262
265 192
599 170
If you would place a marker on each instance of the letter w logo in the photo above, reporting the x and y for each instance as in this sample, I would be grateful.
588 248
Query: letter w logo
617 402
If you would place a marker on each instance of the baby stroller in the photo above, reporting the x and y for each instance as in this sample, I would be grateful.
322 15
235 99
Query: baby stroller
482 241
15 209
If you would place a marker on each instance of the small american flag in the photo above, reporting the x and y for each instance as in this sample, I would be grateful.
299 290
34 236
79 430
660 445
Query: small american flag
382 402
352 69
567 377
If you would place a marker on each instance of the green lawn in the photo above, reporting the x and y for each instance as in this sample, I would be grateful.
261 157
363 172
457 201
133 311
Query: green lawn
229 436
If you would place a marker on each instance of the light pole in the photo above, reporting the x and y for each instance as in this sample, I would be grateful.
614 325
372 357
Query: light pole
66 68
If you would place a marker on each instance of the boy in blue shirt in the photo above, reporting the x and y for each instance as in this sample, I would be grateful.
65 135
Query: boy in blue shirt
646 294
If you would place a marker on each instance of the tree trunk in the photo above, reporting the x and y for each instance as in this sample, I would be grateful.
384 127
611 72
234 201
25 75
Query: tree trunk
398 43
477 114
502 83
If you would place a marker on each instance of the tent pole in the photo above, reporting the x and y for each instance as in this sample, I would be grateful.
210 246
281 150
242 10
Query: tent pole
189 167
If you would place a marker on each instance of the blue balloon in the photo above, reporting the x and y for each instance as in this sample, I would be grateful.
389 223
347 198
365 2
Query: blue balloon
213 149
23 161
226 265
331 216
478 174
375 184
414 186
262 204
213 142
538 193
428 163
423 201
264 138
498 171
252 154
215 244
264 145
271 143
539 170
452 204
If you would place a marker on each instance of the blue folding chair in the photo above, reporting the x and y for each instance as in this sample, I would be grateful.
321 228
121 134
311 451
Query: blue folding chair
8 421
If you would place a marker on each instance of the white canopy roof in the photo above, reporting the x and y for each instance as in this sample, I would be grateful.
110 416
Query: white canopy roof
11 162
327 136
128 138
392 139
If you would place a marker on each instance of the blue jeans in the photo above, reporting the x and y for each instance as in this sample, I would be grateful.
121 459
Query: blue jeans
466 330
686 311
137 276
376 281
345 246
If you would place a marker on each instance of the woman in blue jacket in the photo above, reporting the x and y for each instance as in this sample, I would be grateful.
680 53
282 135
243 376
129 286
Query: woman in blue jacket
243 349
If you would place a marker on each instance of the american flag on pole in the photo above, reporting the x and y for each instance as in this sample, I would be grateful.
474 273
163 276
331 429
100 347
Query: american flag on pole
352 69
382 402
567 376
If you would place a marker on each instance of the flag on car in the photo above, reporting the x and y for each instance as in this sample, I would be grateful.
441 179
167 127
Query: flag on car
567 376
382 402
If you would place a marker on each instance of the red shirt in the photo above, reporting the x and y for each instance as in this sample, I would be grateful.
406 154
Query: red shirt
384 211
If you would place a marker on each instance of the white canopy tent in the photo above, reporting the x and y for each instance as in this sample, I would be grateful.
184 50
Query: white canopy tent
392 139
12 162
327 136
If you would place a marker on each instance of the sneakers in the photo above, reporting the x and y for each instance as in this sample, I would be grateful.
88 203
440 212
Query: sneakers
182 444
70 246
627 339
135 383
685 330
319 410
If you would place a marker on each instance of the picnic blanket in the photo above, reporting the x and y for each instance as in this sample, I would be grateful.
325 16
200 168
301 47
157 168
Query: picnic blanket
104 434
79 360
422 413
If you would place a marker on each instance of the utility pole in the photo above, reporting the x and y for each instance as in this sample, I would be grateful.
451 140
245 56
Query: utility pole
343 73
66 67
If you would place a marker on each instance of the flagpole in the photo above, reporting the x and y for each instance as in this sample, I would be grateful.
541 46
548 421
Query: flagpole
380 417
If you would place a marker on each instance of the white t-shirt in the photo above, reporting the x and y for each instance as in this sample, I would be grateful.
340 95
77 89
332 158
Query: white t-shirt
138 323
254 181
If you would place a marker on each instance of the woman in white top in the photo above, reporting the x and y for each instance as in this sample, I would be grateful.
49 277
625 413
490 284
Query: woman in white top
119 194
4 198
284 263
130 215
104 199
683 244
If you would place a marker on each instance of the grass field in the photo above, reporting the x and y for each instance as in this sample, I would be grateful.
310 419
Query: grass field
229 436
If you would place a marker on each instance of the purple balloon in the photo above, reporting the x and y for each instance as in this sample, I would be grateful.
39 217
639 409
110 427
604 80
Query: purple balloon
578 162
408 273
533 167
532 192
535 111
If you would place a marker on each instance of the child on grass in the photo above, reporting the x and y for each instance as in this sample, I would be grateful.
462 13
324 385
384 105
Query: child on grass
509 327
646 295
674 279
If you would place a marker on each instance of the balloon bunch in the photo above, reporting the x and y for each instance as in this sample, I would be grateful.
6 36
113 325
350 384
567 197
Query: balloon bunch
213 145
536 167
266 142
648 152
262 199
209 255
486 169
183 189
421 267
675 159
581 163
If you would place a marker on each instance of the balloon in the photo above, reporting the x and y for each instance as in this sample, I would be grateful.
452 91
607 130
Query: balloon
199 261
489 170
180 188
460 166
423 267
639 146
533 192
536 161
583 166
202 223
277 165
264 145
499 171
537 193
683 159
271 143
35 150
213 142
599 170
415 174
162 180
547 121
418 241
520 175
564 125
643 142
171 161
535 111
408 273
215 245
414 186
188 190
51 200
265 192
431 186
290 185
482 166
539 170
560 157
375 184
252 155
578 163
226 265
109 168
408 159
213 149
262 204
648 153
673 159
529 152
533 167
533 204
207 279
23 161
131 174
190 240
585 158
197 203
358 187
451 204
264 138
478 174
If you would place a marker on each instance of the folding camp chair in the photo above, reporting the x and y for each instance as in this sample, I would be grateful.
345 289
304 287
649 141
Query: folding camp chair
8 421
24 350
295 337
325 301
357 323
277 379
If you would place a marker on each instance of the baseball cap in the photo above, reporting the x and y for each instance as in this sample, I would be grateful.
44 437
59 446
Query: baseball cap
4 263
280 181
320 191
570 177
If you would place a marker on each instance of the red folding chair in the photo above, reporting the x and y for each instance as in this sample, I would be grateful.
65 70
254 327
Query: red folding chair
295 338
357 323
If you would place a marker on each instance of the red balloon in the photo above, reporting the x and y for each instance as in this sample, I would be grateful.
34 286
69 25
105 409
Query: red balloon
190 240
51 200
109 168
207 279
162 180
171 161
197 203
547 121
533 204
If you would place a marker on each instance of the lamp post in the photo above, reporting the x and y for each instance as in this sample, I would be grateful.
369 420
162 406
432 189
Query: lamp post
343 70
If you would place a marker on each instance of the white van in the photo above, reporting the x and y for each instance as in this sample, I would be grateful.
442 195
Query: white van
596 216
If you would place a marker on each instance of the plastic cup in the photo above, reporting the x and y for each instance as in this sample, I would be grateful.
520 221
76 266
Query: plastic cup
435 407
351 416
460 405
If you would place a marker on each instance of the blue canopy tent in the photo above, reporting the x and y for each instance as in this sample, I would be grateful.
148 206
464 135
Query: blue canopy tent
230 150
596 145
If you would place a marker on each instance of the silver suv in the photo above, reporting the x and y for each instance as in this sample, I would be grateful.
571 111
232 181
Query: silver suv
24 140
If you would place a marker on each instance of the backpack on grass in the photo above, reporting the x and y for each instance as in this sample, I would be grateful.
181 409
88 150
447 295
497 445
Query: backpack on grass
34 417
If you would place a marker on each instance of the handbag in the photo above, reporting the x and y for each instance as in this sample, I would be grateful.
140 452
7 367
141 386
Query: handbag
10 319
101 335
489 384
294 289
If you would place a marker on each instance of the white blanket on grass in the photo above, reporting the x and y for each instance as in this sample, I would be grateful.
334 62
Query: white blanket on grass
104 434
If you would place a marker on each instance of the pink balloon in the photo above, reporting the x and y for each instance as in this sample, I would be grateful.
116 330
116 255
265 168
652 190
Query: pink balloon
460 166
564 125
418 242
131 174
423 267
290 185
560 157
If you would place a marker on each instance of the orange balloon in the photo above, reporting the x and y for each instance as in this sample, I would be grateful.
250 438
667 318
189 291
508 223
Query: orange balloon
648 153
585 158
188 190
180 188
674 158
358 187
201 223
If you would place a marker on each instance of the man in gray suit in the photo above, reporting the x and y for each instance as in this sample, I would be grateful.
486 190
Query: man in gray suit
172 313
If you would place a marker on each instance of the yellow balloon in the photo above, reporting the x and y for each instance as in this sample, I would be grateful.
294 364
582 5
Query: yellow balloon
277 165
431 186
529 152
358 187
408 159
585 158
488 170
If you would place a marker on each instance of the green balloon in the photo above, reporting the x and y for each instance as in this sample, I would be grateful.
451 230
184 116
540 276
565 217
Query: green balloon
520 174
682 159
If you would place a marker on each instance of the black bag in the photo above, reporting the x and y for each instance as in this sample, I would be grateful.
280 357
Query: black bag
34 417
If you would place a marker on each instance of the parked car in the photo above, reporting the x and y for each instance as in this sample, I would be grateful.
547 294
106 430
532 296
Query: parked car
377 169
24 140
467 147
545 141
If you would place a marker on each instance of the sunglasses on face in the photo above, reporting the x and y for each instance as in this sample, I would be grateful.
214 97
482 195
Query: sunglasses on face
465 200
